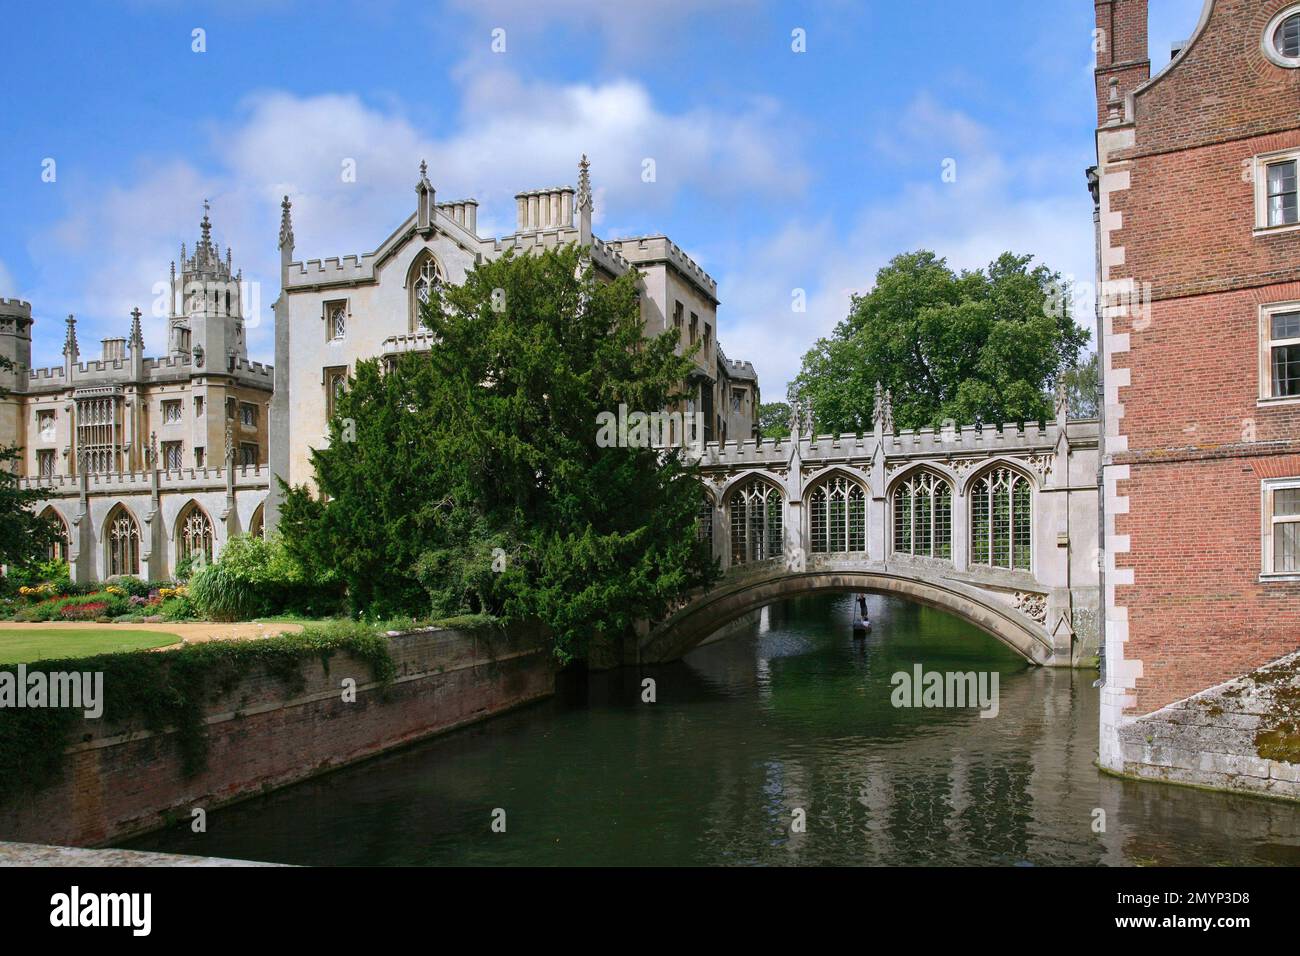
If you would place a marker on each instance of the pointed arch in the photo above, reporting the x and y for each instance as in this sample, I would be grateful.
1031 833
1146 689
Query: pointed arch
837 512
425 275
121 542
193 534
61 545
756 510
257 523
1001 517
921 514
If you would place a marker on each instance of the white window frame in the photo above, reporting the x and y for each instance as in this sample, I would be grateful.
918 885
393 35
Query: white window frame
1267 487
1266 41
1260 175
1266 343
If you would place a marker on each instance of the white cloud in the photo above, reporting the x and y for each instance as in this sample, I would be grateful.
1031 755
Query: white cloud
997 204
117 239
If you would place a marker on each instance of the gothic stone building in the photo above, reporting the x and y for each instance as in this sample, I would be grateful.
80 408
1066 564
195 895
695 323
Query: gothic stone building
1198 245
334 312
145 461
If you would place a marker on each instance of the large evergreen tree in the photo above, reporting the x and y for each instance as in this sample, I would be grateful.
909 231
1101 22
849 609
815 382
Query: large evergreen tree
470 479
986 345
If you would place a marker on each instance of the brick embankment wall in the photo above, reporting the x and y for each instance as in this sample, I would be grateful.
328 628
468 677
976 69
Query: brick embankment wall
119 781
1242 735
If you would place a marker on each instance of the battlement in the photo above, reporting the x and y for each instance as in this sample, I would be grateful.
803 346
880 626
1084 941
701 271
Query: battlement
16 307
334 269
659 248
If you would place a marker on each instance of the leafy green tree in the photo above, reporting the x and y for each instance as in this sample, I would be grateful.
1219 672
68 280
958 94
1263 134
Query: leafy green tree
774 420
25 537
985 345
470 479
1082 383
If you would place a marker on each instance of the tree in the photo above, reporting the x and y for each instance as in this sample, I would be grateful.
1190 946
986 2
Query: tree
1082 383
476 481
774 420
25 537
985 345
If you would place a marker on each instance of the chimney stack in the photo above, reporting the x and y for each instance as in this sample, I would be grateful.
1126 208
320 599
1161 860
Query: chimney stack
544 209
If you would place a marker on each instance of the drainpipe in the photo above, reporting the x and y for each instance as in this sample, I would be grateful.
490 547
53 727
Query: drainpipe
1094 187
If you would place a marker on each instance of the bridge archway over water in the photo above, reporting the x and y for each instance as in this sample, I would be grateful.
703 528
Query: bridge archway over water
740 594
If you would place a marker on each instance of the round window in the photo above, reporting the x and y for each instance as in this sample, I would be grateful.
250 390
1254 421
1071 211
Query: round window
1282 38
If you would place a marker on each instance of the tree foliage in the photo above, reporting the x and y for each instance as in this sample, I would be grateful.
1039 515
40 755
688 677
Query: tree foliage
773 420
984 345
475 483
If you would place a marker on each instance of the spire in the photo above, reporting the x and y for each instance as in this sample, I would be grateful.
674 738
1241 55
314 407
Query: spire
584 186
878 409
70 340
206 225
286 225
424 201
137 334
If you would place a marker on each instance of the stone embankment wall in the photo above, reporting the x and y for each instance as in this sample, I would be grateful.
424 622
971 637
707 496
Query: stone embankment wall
120 781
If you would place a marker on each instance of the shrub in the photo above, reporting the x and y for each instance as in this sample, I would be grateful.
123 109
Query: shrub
179 608
132 586
222 594
84 612
256 577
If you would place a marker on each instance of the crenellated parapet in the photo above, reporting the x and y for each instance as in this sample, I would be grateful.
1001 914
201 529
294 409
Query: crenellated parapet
658 248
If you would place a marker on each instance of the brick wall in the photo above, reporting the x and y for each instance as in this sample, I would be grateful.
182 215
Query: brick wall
122 780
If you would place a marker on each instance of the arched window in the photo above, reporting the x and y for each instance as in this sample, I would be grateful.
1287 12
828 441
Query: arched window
838 512
425 277
257 524
1000 521
923 516
58 550
123 538
756 522
704 522
193 534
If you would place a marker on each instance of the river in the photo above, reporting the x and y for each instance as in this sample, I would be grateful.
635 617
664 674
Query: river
779 744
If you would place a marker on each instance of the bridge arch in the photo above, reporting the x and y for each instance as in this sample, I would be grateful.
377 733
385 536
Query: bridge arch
690 625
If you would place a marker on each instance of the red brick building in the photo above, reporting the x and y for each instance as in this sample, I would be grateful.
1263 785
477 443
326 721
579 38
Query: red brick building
1198 248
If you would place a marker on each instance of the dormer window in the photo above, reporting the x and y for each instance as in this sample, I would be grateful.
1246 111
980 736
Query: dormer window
1282 38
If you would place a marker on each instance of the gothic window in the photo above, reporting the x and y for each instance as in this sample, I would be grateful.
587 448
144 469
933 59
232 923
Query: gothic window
99 433
123 537
1283 354
248 455
704 522
336 319
171 454
171 412
248 415
425 279
1000 503
756 517
257 525
336 382
193 533
923 516
838 516
58 549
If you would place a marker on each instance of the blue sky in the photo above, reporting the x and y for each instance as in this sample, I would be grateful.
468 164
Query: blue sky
776 170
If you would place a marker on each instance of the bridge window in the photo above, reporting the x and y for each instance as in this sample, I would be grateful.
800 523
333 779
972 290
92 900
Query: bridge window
704 523
1000 520
923 516
838 510
756 522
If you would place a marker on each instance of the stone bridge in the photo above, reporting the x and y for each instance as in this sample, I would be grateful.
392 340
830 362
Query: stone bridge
995 524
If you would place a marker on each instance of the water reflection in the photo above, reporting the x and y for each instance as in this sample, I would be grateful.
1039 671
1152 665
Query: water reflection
792 714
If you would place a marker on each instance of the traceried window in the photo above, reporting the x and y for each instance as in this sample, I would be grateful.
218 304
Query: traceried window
423 283
1281 197
1283 354
704 522
58 548
99 433
171 412
838 513
336 319
756 528
1282 527
923 516
1000 503
123 537
45 462
171 454
336 383
194 533
257 525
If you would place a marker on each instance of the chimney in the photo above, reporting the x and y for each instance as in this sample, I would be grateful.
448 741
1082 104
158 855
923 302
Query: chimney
1123 64
1176 48
544 209
114 350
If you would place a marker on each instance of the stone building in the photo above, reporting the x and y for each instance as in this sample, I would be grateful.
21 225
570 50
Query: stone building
145 461
1198 249
333 312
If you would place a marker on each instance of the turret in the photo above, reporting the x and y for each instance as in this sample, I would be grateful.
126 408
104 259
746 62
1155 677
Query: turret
16 348
207 319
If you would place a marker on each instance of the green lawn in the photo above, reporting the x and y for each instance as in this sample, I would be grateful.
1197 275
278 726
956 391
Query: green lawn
48 643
